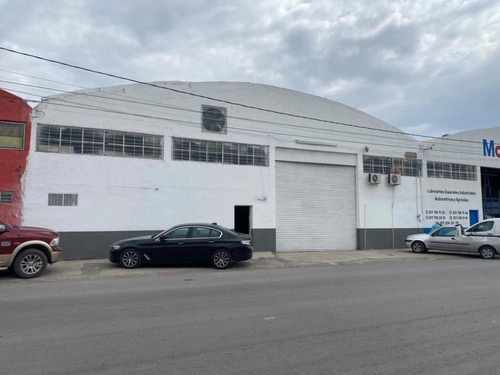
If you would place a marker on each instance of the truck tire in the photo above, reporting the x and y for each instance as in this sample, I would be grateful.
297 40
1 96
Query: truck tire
30 263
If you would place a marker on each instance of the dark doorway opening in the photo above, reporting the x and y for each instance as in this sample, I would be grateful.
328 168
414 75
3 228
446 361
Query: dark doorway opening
243 219
490 186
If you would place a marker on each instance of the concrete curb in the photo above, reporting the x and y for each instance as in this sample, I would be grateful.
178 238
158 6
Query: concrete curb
102 268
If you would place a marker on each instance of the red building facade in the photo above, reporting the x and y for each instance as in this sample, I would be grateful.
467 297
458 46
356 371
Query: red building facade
15 132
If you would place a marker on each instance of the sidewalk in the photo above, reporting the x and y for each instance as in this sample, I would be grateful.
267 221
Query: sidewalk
300 259
102 268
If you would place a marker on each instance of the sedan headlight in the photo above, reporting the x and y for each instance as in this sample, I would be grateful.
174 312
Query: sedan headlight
115 247
55 242
246 242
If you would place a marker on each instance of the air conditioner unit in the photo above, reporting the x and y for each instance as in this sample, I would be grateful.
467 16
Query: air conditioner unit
374 178
394 179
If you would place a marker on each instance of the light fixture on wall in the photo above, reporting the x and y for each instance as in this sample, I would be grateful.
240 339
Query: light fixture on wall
366 149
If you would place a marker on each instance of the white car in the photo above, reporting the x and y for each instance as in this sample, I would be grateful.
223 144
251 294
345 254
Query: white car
454 239
488 227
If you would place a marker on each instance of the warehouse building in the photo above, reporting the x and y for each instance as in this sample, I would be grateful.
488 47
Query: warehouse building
299 172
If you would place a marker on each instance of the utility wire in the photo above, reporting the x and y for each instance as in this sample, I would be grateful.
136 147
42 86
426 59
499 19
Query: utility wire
366 138
255 133
123 98
42 79
161 105
218 99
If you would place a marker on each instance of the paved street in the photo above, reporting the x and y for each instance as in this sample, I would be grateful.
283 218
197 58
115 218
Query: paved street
434 314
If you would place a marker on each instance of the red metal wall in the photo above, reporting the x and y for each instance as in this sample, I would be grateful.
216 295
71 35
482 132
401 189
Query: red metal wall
13 162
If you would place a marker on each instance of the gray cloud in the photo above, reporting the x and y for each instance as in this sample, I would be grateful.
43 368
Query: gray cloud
427 66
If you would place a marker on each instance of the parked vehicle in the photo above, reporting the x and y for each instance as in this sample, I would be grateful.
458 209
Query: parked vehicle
485 228
455 239
27 250
184 244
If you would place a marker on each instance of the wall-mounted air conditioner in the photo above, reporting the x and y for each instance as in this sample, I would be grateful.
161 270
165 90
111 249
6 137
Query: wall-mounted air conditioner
374 178
394 179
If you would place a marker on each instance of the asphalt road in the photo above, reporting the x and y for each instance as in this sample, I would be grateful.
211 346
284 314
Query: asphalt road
425 317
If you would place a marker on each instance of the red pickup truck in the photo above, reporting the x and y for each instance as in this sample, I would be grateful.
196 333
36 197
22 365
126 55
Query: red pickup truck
27 250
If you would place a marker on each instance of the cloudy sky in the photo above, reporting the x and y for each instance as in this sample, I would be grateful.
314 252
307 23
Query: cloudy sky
427 67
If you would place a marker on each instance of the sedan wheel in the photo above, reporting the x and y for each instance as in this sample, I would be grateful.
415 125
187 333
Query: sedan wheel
221 259
30 263
418 247
130 259
487 252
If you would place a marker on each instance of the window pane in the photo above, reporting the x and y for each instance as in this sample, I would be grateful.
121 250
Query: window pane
252 154
133 151
243 154
397 167
92 148
177 148
451 171
203 151
261 156
134 139
55 199
158 153
198 150
219 152
200 232
195 147
152 141
215 233
70 200
113 143
52 138
71 140
93 142
93 135
48 137
215 152
6 196
133 144
12 135
230 153
186 149
152 153
178 233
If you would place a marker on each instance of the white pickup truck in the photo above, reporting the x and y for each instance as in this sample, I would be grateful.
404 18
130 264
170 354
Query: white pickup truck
482 238
488 227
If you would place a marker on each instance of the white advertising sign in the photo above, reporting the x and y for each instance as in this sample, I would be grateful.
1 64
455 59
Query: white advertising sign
449 206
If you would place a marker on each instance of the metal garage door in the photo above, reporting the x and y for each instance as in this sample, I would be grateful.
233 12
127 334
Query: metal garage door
315 207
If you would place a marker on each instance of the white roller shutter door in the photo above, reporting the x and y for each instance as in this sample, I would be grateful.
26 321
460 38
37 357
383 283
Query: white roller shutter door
315 207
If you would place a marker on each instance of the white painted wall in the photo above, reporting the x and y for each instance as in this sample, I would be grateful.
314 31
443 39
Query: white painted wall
454 197
450 201
138 194
388 206
133 194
